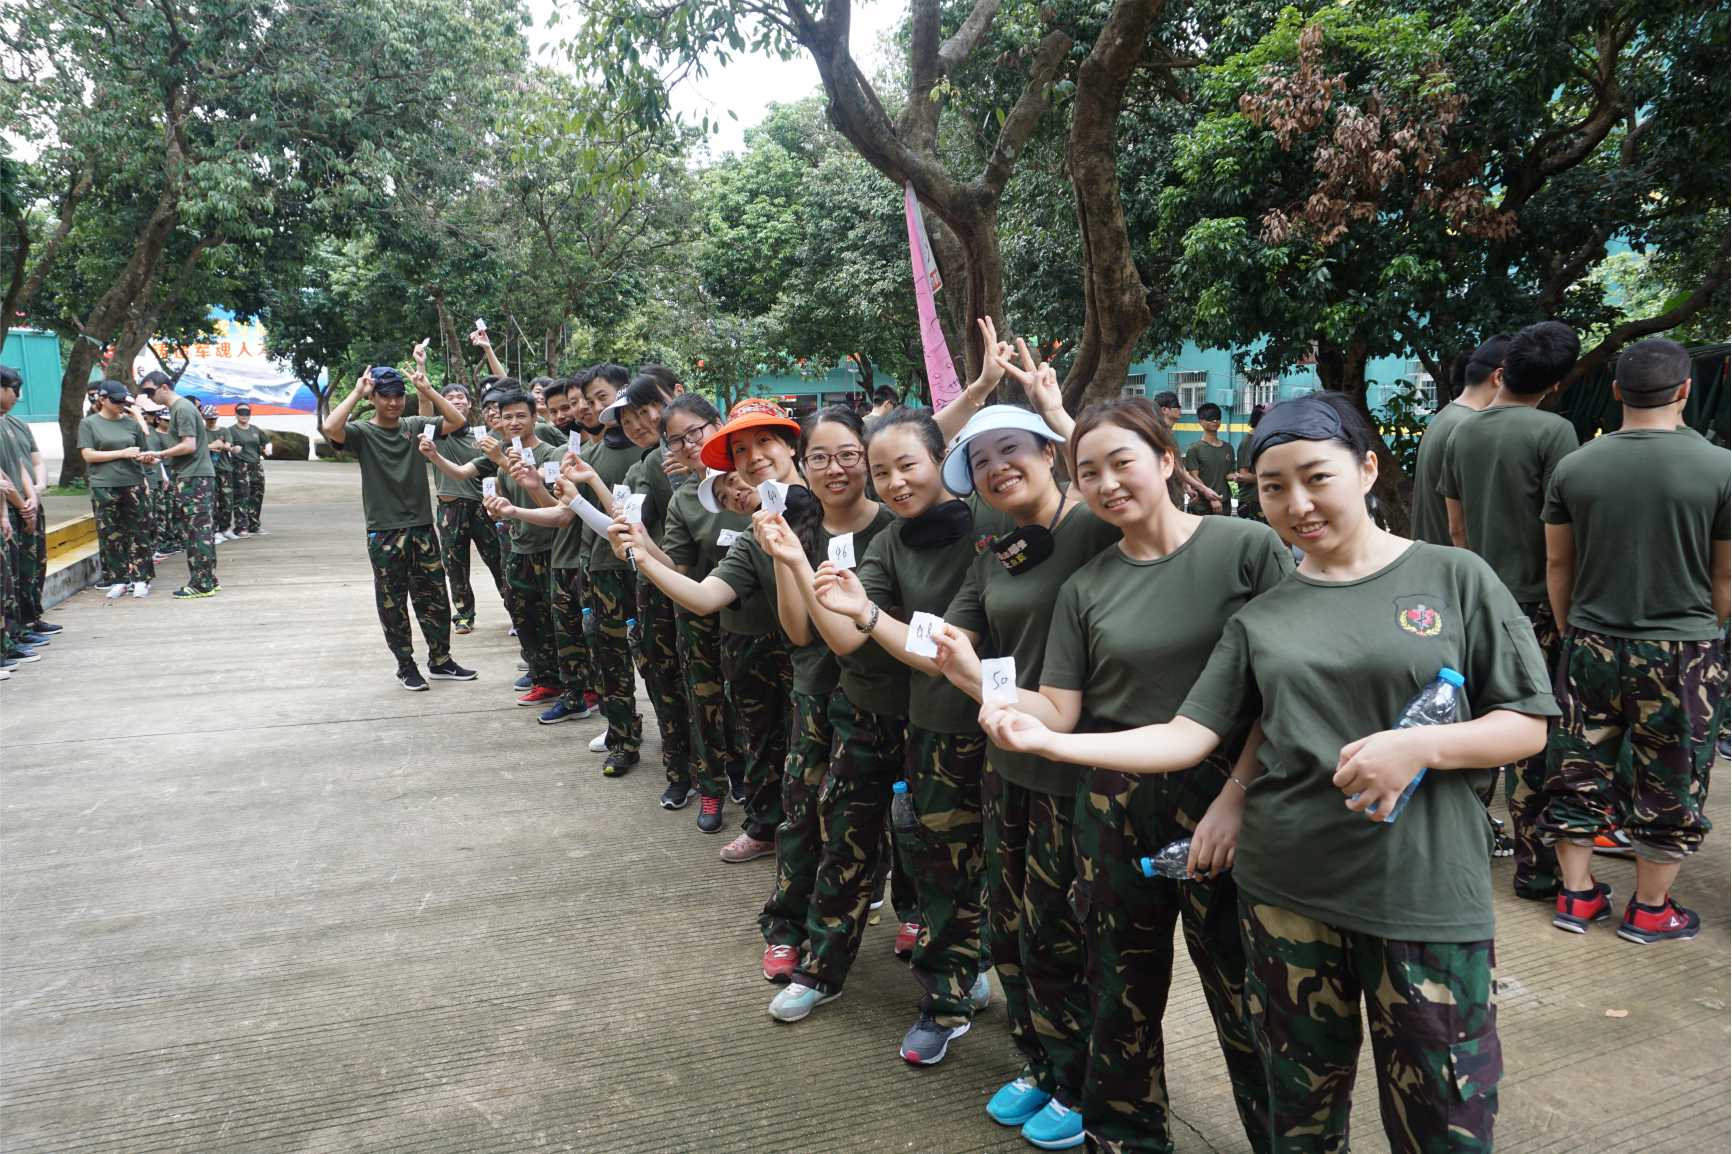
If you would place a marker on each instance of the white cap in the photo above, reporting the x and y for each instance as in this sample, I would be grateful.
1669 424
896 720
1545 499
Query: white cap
958 477
707 490
610 415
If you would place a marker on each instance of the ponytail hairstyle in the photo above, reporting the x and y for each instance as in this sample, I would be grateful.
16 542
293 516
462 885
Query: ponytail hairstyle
920 420
696 404
805 515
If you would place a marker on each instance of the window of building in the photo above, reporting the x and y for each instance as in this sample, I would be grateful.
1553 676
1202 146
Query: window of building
1423 384
1136 385
1259 391
1192 387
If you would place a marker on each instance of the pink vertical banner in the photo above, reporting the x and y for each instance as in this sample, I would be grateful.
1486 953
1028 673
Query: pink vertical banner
940 369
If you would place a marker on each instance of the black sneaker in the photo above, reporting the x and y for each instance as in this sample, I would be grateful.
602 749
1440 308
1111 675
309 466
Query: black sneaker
618 763
926 1041
737 790
523 684
678 795
709 815
449 670
23 654
41 626
410 678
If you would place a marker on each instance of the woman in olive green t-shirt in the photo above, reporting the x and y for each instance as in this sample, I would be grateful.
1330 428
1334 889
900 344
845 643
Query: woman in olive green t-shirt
1336 908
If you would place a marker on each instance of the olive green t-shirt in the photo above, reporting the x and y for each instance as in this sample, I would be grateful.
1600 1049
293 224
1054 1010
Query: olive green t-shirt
1132 635
22 444
1497 463
874 681
1247 490
751 574
393 473
696 540
154 474
186 421
1210 464
548 434
222 462
1322 664
651 479
1430 520
1645 507
611 463
249 442
108 436
903 581
459 448
1012 613
527 538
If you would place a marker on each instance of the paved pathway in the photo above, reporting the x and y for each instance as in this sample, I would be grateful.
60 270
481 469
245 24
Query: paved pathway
256 898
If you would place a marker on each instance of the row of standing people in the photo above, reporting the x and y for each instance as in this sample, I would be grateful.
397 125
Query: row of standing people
24 630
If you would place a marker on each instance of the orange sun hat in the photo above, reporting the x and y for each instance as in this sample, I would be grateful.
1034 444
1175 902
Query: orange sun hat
752 413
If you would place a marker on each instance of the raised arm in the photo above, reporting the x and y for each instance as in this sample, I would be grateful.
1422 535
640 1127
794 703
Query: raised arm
339 416
1176 745
711 595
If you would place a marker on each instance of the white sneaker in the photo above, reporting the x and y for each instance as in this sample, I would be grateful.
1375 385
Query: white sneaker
141 588
116 591
219 538
5 675
598 743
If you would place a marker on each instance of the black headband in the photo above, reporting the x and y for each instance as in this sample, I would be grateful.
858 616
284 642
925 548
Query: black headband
1300 419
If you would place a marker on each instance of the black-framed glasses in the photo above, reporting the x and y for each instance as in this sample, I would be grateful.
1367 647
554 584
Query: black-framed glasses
693 438
847 458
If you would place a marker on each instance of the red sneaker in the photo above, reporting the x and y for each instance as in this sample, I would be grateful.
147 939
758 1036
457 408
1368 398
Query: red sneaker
1670 922
907 937
592 701
1576 908
780 962
1614 843
539 695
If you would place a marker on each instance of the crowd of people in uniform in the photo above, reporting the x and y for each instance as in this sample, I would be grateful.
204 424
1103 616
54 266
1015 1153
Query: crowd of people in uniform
988 658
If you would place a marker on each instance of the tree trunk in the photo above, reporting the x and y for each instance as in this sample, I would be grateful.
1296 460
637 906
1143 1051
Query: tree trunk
550 351
1115 300
866 376
1342 370
456 367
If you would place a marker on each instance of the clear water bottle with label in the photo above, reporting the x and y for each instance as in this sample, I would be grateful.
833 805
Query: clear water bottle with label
1441 702
902 815
1169 862
588 622
631 634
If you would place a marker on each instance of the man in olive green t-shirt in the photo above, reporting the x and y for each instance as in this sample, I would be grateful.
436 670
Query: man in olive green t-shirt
1481 377
1496 467
194 480
401 546
1639 565
1211 459
251 446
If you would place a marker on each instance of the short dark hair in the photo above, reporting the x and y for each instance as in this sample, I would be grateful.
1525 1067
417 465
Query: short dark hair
10 379
554 386
1485 360
454 388
1208 411
1650 372
615 375
884 394
582 378
662 375
696 404
155 379
512 396
648 389
919 420
1167 400
1539 356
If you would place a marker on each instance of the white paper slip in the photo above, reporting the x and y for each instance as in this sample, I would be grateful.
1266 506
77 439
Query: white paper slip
591 516
920 629
517 443
773 497
481 325
998 681
427 432
490 486
842 550
549 472
575 443
727 537
632 507
620 493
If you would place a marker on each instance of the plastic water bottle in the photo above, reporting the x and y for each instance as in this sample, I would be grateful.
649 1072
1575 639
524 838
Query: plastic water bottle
902 815
1169 862
1441 702
588 622
631 637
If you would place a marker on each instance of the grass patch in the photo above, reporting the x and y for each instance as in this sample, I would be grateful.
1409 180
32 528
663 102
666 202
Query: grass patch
69 490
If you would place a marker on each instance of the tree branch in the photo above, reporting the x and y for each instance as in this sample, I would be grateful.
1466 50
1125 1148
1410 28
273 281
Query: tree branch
961 45
1671 318
1025 114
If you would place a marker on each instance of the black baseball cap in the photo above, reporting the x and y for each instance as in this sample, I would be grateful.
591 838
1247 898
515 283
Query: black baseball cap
243 410
115 391
10 379
387 381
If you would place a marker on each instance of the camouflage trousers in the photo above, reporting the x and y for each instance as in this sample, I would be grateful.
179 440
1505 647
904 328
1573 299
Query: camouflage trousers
532 614
1128 921
406 571
611 604
760 680
571 643
225 495
1034 937
169 534
195 506
1536 864
9 623
249 494
658 661
799 841
1433 1031
945 862
122 544
698 642
31 565
866 758
460 522
1662 701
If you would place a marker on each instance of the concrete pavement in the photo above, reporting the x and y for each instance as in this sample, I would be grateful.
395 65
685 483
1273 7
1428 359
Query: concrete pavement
254 897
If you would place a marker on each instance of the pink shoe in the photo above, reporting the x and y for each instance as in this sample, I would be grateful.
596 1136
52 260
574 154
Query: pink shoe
780 962
746 847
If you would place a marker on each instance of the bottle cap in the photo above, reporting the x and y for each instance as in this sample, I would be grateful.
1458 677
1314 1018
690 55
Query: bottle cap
899 787
1451 676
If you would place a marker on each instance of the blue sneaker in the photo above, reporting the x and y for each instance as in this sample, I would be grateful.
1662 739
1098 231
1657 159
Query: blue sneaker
1057 1127
1016 1102
561 711
23 653
34 639
523 684
794 1001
